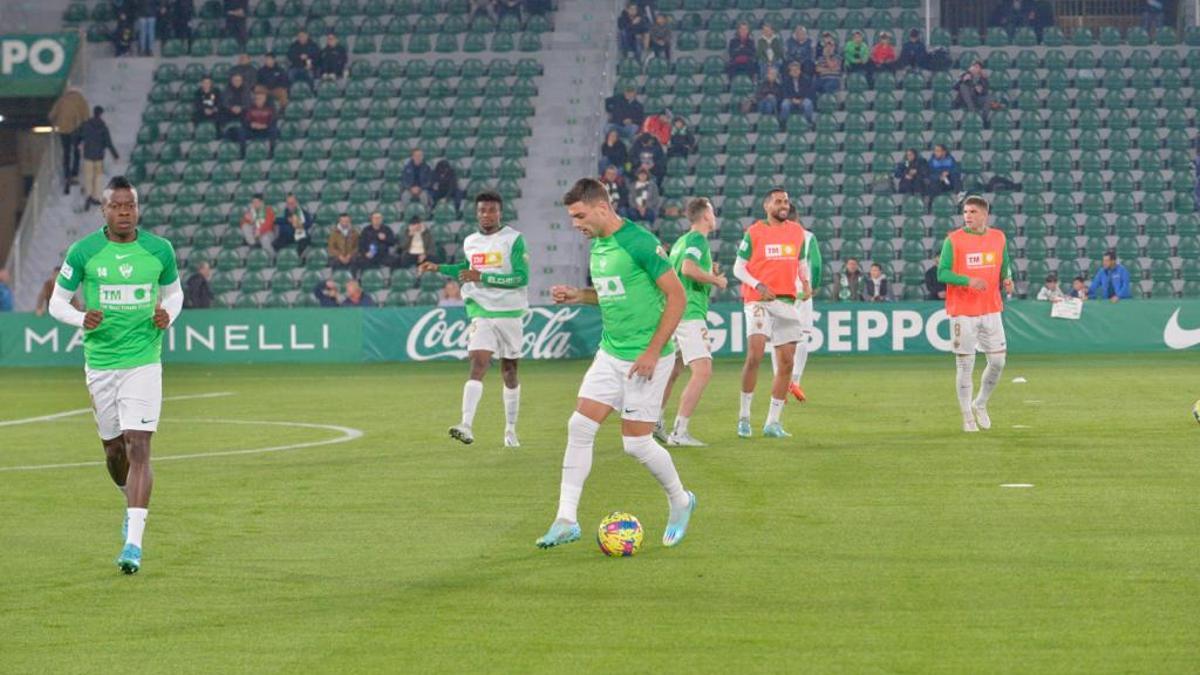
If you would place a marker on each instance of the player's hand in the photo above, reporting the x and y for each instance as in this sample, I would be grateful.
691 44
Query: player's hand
565 295
764 293
806 286
161 318
720 281
427 266
644 366
977 284
92 318
469 275
1009 286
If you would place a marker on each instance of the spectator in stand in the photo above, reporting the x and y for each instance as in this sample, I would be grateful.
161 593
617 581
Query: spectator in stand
295 227
96 140
913 54
451 295
274 79
182 12
1050 292
847 286
445 184
768 49
743 53
235 19
798 95
124 34
302 59
234 102
343 244
672 208
206 107
333 59
1079 288
617 196
883 54
633 32
660 37
375 243
67 115
972 90
416 245
508 8
828 44
800 48
875 288
658 126
767 96
1152 16
197 294
943 172
683 142
625 113
644 198
147 22
613 152
1111 281
912 173
647 153
829 68
162 22
246 69
258 224
6 294
858 55
355 296
327 293
417 180
258 123
934 289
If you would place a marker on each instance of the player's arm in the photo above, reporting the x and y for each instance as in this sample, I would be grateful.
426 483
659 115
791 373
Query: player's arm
60 308
570 295
69 277
1006 272
948 276
450 270
170 304
812 253
519 277
741 270
692 271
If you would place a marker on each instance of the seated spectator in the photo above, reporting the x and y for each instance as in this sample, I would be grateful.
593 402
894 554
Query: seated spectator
800 48
617 197
451 295
625 113
274 79
1152 16
327 293
1111 281
1079 288
197 294
766 98
829 69
828 44
972 90
375 243
912 173
355 296
416 245
258 224
848 284
234 102
768 49
659 126
875 288
206 106
343 244
798 95
743 53
934 289
644 198
683 142
943 172
417 180
1050 292
633 32
647 153
333 59
613 152
302 59
246 69
445 184
295 227
6 294
913 54
660 37
883 54
258 123
858 55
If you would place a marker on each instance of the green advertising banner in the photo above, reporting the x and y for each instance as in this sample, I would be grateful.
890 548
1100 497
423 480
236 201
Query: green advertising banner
560 332
36 65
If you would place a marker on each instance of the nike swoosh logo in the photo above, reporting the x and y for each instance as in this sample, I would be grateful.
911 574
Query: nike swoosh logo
122 257
1177 337
145 421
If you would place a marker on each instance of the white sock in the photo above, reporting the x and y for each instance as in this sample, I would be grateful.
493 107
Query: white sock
801 360
681 424
991 377
966 371
577 463
744 411
137 525
512 406
776 410
472 392
656 458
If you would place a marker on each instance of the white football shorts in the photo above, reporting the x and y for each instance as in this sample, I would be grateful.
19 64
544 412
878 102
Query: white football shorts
691 337
500 336
778 320
983 333
125 400
635 398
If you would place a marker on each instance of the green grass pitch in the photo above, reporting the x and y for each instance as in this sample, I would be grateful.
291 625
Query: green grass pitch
879 539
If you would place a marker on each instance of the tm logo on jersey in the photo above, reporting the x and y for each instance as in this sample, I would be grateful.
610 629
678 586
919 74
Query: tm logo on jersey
489 259
609 287
976 260
779 251
125 294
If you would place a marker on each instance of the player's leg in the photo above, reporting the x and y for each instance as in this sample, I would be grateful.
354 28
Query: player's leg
784 357
701 375
512 401
116 460
755 346
660 432
480 360
963 330
805 310
102 388
139 404
994 344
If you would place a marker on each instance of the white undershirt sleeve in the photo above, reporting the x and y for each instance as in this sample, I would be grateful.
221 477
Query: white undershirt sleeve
60 307
171 299
741 271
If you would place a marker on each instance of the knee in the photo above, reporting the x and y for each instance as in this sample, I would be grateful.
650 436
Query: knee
641 448
997 360
137 446
581 428
114 448
701 369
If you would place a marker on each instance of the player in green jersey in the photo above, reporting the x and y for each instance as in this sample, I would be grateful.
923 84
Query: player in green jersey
641 302
132 294
692 260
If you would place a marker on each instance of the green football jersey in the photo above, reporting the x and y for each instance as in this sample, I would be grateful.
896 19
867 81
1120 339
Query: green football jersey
695 246
122 280
625 267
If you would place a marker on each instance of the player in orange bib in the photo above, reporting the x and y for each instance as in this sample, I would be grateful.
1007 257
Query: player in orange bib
768 265
974 265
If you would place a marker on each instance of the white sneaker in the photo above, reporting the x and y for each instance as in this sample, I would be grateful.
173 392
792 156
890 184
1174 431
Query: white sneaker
660 432
685 440
981 415
462 432
969 426
510 440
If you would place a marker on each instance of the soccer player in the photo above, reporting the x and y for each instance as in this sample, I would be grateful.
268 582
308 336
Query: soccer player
641 302
132 294
495 279
810 268
974 265
768 265
692 260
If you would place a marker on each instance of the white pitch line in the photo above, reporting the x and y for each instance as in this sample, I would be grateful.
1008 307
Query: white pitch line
1016 485
1033 402
81 411
1021 426
348 434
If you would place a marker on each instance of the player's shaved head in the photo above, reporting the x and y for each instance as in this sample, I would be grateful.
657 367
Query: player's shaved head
591 211
487 210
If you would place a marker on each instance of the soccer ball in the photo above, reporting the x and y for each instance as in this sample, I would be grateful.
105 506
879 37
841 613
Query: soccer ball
1196 410
620 535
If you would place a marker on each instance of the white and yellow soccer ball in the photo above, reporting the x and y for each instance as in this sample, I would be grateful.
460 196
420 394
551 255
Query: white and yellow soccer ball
1196 410
620 535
